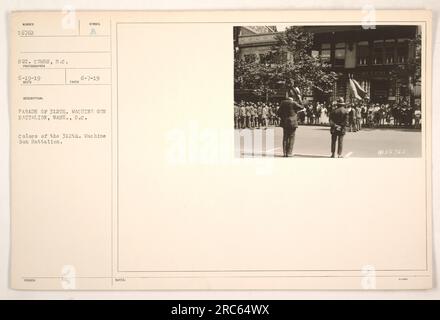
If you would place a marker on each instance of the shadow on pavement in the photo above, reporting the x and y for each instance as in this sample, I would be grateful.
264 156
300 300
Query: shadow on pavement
261 155
392 128
310 156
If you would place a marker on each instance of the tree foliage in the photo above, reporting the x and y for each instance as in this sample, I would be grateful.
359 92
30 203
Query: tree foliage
302 69
412 68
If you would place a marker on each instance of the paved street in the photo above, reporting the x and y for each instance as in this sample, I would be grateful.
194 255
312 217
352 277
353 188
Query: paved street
314 141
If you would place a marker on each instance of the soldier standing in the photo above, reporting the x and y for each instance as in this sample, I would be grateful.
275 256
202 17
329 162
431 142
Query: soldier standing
364 113
254 117
248 115
265 115
289 121
351 118
338 122
358 118
242 116
275 114
236 116
318 109
260 115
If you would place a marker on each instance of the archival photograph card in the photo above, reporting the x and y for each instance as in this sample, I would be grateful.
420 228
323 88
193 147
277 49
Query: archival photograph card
261 150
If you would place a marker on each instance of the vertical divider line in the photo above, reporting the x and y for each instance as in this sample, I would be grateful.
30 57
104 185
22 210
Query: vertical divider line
117 150
111 154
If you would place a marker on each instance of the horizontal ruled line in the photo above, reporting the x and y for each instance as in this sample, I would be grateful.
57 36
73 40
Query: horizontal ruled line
262 270
74 68
66 35
65 52
226 276
66 84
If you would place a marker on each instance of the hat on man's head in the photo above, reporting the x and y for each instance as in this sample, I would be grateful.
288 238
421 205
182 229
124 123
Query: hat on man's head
340 101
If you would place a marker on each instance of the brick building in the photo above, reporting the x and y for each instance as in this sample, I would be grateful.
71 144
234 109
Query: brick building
369 55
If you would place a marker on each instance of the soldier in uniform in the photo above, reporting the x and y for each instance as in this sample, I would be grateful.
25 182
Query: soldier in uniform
265 115
358 118
272 112
364 113
351 118
242 116
289 120
236 116
248 115
317 111
338 122
260 115
254 116
275 112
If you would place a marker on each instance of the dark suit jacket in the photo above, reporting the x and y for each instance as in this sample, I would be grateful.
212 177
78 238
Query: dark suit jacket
339 116
338 120
288 113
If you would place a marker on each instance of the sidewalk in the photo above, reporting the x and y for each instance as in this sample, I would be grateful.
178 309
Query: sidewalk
313 141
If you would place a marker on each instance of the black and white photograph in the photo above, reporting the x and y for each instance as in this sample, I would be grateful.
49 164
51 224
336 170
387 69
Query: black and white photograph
328 91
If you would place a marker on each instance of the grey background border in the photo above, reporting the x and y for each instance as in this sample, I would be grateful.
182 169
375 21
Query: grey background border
9 5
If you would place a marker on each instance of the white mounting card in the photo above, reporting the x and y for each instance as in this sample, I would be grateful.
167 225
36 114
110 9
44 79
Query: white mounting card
147 150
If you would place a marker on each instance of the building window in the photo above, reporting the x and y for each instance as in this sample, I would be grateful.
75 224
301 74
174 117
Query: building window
281 57
340 54
378 52
264 58
249 58
389 51
341 88
325 52
402 51
363 53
